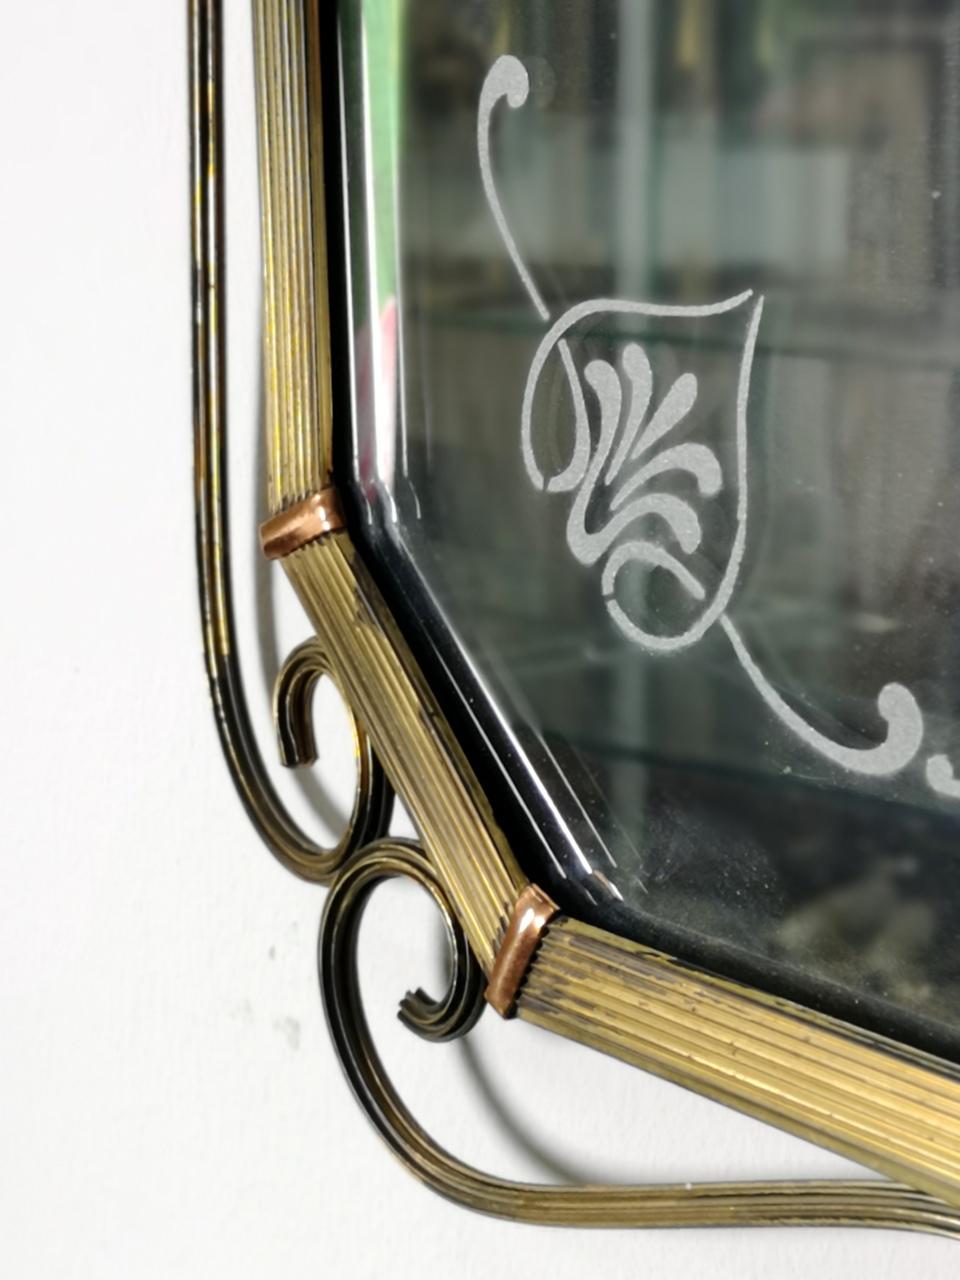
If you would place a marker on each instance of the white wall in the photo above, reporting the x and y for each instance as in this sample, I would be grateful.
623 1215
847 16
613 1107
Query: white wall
169 1102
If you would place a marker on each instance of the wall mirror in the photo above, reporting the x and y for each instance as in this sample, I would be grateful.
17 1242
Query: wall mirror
612 413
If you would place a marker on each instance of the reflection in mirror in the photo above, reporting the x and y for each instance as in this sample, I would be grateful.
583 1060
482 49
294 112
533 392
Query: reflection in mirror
655 310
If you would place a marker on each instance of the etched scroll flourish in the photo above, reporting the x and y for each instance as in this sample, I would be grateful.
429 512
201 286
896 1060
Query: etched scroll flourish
646 527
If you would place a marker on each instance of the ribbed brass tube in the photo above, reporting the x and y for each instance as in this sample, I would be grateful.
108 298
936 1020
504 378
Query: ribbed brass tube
296 330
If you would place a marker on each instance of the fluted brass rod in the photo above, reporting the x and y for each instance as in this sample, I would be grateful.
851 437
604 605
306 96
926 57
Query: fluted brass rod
296 334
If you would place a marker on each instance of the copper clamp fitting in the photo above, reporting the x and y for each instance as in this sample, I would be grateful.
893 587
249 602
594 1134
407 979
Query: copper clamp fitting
304 522
531 914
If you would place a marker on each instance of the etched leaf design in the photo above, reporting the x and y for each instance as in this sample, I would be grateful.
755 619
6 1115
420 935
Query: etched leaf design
631 440
676 514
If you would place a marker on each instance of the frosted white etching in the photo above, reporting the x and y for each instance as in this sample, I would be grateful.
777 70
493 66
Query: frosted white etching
646 526
941 777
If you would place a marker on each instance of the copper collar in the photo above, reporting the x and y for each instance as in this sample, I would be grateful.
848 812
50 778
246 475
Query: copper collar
304 522
532 913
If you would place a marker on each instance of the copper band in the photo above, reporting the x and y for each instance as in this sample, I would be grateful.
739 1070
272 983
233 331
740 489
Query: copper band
531 915
302 523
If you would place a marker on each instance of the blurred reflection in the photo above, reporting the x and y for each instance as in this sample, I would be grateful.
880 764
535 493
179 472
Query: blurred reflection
681 152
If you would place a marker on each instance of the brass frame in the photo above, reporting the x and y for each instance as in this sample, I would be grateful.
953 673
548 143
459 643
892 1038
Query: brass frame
878 1102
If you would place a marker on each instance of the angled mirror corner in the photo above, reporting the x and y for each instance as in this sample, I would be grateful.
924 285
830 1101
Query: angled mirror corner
652 316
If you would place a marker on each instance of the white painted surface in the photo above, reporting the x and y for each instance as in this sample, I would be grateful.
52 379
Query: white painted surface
169 1102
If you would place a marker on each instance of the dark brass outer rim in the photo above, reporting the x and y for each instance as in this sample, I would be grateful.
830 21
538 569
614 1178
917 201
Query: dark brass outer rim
282 835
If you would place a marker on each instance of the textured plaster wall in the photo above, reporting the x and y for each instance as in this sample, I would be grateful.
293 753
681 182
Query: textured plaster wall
169 1103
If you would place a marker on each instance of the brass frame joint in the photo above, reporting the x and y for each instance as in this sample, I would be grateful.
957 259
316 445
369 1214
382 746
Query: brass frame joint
304 522
531 914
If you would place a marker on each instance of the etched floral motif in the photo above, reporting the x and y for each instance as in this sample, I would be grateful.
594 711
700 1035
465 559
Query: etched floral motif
620 472
624 440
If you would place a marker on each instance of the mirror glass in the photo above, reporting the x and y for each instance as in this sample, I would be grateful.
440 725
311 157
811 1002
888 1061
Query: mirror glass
653 328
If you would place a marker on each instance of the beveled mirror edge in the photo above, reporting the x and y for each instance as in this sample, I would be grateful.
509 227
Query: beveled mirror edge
891 1108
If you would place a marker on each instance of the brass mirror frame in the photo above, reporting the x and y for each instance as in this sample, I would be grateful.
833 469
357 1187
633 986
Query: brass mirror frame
886 1106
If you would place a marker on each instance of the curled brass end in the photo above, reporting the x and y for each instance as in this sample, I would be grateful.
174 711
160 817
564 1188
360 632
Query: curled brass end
532 913
373 799
304 522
